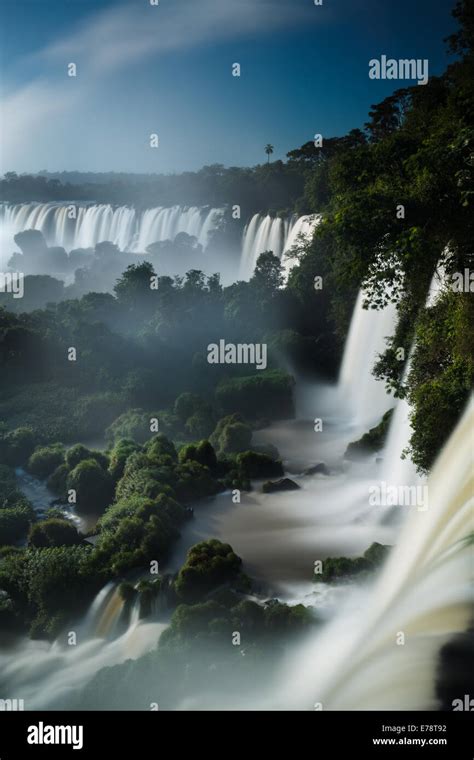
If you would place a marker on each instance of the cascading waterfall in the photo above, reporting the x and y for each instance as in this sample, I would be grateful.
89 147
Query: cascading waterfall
362 394
353 661
423 593
266 233
398 467
128 228
48 675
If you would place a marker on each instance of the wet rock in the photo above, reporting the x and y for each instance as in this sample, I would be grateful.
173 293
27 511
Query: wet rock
317 469
284 484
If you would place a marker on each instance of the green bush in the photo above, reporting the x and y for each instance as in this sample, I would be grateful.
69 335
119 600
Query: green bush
135 532
15 521
253 465
231 435
122 449
372 441
265 394
188 404
79 453
93 486
45 459
202 452
335 568
50 586
19 445
134 424
57 482
53 532
442 374
208 565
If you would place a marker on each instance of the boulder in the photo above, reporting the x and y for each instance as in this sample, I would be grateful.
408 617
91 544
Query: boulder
317 469
284 484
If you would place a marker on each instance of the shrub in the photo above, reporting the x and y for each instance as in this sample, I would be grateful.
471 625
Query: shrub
134 424
57 482
79 453
53 532
231 435
346 567
188 404
93 486
19 444
265 394
253 465
202 452
15 521
208 565
372 441
135 532
46 459
123 448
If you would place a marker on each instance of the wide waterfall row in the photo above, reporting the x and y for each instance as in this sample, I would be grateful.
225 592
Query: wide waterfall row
134 230
266 233
128 228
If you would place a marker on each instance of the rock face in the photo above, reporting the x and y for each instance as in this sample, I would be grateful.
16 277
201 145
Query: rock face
285 484
370 442
317 469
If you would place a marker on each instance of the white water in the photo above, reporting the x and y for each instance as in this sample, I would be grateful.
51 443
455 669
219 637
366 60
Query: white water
354 663
425 592
363 395
131 230
266 233
47 675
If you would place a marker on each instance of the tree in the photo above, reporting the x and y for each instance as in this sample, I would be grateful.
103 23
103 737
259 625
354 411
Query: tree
268 274
208 565
45 459
133 288
93 486
54 532
269 150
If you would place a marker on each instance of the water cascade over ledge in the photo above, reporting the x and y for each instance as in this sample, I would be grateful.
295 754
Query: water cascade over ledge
424 592
267 233
128 228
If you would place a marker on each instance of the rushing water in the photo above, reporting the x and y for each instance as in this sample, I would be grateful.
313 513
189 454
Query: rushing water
134 230
369 329
266 233
131 230
424 592
354 661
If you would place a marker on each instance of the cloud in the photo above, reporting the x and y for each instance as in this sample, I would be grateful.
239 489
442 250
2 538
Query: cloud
119 37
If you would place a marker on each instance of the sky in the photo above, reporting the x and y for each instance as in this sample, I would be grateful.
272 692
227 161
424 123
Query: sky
166 69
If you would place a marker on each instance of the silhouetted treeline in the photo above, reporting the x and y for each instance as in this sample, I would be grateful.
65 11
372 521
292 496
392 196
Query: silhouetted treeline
277 187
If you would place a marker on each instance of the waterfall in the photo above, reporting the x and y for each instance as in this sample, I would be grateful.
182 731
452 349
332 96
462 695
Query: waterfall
398 469
128 228
424 592
104 613
266 233
358 389
48 675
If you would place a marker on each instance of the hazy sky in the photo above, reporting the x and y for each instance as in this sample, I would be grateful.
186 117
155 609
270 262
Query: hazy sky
167 69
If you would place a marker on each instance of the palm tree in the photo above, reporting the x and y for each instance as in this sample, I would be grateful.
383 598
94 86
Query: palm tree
268 150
